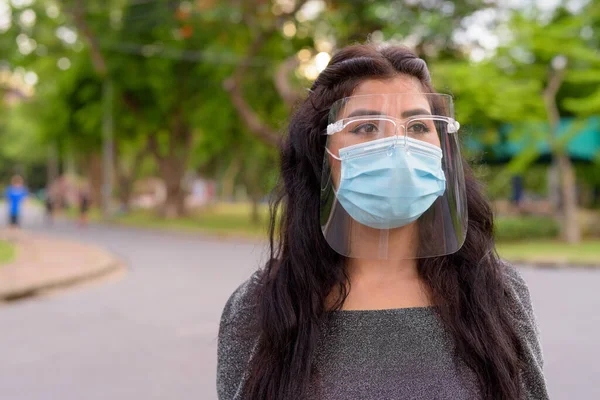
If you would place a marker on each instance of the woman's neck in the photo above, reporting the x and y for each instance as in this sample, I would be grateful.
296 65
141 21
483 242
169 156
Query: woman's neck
384 244
381 270
385 284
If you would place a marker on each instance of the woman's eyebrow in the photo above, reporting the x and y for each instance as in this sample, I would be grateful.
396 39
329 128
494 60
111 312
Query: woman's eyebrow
361 112
405 114
416 111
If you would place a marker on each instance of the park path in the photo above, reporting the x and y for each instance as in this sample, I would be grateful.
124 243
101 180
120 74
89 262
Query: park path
153 333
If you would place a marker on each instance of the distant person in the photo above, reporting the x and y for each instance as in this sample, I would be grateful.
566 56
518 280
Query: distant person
15 194
383 280
49 206
518 191
84 205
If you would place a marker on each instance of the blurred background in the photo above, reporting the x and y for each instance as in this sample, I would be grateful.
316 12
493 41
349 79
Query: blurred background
145 133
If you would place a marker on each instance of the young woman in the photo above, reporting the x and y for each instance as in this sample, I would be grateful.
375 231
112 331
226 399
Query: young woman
383 281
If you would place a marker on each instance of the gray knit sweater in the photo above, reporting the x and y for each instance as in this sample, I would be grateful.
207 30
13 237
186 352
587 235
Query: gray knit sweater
380 354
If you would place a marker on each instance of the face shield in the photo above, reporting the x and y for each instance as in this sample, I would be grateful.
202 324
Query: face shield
392 184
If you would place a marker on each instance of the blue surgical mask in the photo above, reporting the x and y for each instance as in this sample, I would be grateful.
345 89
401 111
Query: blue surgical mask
389 183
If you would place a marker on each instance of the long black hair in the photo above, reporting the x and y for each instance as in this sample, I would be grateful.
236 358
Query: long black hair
468 287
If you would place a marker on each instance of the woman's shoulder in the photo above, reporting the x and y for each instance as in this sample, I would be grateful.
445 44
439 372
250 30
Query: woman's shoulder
518 290
527 329
516 283
242 302
519 299
238 336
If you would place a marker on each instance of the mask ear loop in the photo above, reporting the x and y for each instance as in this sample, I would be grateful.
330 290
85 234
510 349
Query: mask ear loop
333 155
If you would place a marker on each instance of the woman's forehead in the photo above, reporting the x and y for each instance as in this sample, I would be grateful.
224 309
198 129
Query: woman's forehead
397 84
392 97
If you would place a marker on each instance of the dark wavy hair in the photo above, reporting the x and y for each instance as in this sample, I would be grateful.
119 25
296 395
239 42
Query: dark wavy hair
468 287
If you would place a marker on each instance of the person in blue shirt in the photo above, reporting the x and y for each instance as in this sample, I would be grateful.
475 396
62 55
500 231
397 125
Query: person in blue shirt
15 194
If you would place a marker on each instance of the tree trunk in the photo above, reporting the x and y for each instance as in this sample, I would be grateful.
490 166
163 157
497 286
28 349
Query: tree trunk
172 167
228 181
255 217
127 174
172 171
570 229
52 170
94 165
125 192
569 223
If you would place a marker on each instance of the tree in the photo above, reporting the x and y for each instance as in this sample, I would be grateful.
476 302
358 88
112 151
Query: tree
535 75
315 26
557 48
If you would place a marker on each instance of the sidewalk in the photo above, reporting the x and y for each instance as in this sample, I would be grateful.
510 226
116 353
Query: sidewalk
44 263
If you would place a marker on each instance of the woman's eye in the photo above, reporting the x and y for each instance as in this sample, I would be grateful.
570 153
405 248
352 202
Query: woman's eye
365 128
418 127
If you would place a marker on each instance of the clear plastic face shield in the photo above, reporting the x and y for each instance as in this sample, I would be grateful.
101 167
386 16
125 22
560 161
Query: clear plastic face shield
393 184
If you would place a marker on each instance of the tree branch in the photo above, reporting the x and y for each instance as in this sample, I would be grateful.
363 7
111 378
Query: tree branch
550 92
132 104
98 59
154 148
233 84
250 117
282 82
137 161
554 83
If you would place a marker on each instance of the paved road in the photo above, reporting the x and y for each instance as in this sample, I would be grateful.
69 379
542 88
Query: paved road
152 334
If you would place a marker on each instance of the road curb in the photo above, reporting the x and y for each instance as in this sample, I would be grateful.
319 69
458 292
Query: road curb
28 279
37 289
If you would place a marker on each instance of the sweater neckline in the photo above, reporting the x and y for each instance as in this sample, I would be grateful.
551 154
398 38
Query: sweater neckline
401 310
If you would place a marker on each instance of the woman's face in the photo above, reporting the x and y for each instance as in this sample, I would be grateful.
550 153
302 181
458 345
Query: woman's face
411 102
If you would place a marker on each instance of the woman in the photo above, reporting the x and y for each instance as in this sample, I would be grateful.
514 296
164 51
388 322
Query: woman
383 282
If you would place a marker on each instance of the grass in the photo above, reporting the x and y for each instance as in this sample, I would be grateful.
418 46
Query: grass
7 252
551 251
222 219
233 219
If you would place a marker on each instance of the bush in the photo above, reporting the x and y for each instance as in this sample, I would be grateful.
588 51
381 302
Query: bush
526 228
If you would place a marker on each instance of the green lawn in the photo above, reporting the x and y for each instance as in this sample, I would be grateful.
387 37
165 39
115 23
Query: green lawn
551 251
233 219
221 219
7 252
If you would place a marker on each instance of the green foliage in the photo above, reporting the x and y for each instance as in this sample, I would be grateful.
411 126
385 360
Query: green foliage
428 25
7 252
536 42
525 228
222 219
168 61
534 179
217 221
20 139
551 252
487 96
